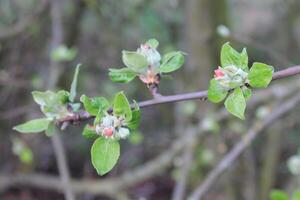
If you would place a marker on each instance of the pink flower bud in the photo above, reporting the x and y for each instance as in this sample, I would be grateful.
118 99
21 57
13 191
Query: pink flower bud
218 73
145 46
108 132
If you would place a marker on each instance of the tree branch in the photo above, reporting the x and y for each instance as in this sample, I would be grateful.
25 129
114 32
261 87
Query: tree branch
201 95
229 159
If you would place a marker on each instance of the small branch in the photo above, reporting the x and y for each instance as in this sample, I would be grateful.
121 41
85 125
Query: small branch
229 159
200 95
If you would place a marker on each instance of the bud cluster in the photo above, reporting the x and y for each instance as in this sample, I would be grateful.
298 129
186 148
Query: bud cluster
151 76
112 127
231 76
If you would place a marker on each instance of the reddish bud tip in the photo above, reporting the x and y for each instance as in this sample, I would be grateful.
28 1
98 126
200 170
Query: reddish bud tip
108 132
145 46
218 73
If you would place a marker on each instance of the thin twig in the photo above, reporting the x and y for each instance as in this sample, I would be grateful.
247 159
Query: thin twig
200 95
55 71
229 159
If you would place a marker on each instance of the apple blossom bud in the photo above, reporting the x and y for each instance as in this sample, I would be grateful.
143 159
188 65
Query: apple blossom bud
123 132
108 132
152 55
218 73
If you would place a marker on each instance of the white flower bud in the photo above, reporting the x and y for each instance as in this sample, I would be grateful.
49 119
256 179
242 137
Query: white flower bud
123 133
152 55
232 76
108 120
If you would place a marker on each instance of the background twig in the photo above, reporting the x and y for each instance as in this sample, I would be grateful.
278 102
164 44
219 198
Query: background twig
228 160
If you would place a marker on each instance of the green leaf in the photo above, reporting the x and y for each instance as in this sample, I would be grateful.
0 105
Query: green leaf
153 43
93 105
171 61
49 97
134 60
123 75
105 154
89 132
121 106
216 93
260 75
33 126
278 195
135 120
52 104
244 60
51 129
247 93
230 56
74 84
236 103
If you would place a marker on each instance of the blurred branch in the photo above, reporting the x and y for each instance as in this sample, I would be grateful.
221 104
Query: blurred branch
229 159
202 95
274 54
24 22
187 160
54 73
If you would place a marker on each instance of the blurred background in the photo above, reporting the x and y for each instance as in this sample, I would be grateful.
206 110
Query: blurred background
177 145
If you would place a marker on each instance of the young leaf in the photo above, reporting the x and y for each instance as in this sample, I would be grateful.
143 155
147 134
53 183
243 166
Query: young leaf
105 154
134 60
216 93
49 97
74 84
33 126
52 104
136 118
230 56
93 105
153 43
260 75
278 195
51 129
236 103
89 132
123 75
171 61
247 93
244 60
121 106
